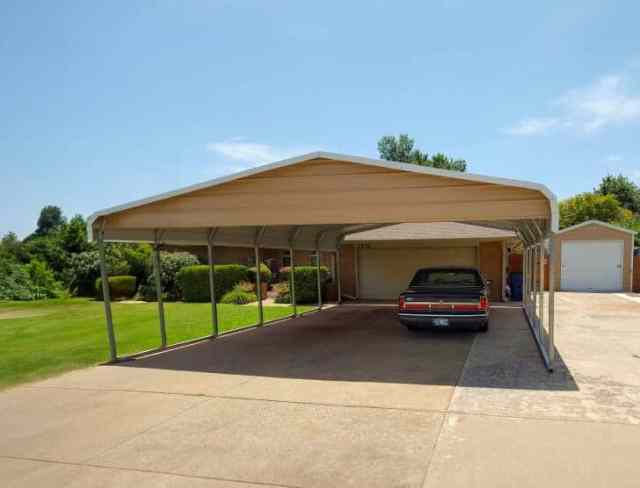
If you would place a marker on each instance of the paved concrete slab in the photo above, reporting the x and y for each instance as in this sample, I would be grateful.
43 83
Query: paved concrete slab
153 380
72 425
346 397
22 473
292 444
596 375
485 451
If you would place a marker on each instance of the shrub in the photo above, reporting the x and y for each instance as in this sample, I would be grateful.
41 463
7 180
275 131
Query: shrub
238 296
306 283
265 274
32 281
170 264
119 287
84 269
15 283
247 286
43 282
193 281
282 292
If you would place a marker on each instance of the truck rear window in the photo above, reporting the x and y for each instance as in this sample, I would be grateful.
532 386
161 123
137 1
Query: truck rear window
427 278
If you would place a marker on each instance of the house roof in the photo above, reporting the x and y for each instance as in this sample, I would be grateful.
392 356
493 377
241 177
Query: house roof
597 222
430 231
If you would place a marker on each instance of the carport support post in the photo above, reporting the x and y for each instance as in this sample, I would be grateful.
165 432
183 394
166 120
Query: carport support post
356 270
541 302
551 351
526 279
258 286
156 272
106 297
534 306
525 276
318 280
338 277
292 282
212 282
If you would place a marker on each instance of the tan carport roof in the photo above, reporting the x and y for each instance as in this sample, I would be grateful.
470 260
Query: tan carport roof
318 198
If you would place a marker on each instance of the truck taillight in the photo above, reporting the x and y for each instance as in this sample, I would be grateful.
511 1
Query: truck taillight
484 303
401 303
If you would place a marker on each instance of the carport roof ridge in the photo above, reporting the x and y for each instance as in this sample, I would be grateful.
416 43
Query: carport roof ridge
414 168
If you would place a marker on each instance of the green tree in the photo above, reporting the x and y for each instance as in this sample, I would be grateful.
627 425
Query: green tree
12 248
402 149
74 235
621 187
48 248
591 206
50 219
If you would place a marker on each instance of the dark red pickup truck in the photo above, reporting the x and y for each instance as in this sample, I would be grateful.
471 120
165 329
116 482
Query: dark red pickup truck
445 297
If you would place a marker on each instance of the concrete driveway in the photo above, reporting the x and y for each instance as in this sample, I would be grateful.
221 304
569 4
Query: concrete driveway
346 397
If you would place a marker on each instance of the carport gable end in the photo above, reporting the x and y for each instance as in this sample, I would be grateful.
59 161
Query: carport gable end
328 190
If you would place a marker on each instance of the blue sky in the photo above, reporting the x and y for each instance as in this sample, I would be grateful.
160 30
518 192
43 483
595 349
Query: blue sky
105 102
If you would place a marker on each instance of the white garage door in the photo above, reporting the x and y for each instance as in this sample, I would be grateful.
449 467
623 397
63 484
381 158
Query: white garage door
592 265
385 273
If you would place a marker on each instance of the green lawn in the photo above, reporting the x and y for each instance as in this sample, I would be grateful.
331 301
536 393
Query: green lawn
44 338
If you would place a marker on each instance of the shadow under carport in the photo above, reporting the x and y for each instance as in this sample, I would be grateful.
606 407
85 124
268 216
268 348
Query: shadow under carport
367 344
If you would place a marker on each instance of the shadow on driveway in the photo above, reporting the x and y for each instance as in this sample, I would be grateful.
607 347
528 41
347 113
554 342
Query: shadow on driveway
367 344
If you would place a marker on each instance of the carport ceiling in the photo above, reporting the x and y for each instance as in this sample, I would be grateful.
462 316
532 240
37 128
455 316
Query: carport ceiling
318 198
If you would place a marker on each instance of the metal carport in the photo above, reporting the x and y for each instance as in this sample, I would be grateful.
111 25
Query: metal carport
313 201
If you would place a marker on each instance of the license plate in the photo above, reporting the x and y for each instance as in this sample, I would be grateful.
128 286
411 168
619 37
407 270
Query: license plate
441 322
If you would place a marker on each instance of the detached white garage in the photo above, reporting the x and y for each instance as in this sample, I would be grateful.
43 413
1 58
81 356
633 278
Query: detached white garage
595 256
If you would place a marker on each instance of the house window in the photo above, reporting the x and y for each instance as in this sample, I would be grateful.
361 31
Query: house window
313 259
286 260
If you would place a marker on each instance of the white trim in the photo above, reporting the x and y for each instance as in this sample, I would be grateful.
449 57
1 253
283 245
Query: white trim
413 168
596 222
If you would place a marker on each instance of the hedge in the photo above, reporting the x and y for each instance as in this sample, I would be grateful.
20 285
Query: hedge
193 281
306 284
119 287
265 274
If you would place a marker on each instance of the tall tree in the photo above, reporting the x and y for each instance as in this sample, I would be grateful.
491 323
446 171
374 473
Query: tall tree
591 206
50 220
621 187
74 235
402 149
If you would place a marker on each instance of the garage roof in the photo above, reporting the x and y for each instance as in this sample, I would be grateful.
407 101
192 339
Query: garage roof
430 231
316 199
597 222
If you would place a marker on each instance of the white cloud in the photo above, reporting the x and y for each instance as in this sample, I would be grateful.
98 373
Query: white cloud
252 153
532 126
603 103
